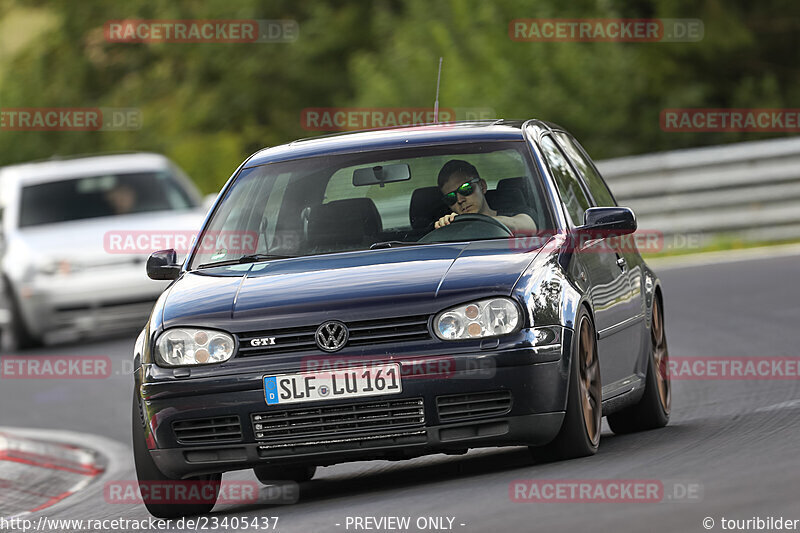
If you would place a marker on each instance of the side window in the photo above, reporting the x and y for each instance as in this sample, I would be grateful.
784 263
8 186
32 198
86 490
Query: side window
569 186
594 182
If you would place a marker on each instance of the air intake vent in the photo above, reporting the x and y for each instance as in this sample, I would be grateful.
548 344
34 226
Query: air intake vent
362 333
208 430
341 421
475 405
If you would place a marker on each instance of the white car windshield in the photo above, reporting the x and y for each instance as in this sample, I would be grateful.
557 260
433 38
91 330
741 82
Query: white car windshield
101 196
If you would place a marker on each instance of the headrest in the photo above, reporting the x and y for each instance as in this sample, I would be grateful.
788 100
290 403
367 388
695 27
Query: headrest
426 207
344 223
517 184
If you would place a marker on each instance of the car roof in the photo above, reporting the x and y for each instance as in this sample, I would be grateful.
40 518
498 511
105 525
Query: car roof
59 169
389 138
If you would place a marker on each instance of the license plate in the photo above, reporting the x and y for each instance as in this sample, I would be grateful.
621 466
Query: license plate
353 382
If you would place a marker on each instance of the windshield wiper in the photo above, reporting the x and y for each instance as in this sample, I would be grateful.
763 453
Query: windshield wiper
253 258
392 244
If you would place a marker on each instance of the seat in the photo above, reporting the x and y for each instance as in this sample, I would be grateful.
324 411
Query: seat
344 224
518 186
510 194
514 194
426 207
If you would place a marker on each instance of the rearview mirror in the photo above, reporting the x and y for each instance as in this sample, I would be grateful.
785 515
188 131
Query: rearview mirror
619 220
381 174
163 265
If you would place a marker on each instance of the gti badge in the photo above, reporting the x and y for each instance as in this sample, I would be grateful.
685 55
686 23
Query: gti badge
263 341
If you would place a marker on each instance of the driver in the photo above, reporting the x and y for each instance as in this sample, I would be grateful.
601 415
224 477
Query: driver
464 192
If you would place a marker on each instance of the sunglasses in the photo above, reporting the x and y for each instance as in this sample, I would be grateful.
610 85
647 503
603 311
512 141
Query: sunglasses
465 189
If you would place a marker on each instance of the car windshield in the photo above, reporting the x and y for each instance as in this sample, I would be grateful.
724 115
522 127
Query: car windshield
101 196
376 199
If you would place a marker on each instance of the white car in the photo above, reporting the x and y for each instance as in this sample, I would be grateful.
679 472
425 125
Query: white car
64 228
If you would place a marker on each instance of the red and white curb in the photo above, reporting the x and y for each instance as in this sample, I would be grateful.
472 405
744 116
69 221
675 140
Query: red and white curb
36 474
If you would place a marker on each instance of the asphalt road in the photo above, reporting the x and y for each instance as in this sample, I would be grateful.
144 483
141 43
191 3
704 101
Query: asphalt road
734 444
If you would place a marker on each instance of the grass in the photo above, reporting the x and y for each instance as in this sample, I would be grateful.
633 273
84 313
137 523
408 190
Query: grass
718 244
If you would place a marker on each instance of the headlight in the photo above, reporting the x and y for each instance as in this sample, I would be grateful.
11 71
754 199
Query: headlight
484 318
53 267
189 346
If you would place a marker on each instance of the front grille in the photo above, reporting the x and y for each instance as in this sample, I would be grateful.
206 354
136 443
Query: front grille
475 405
364 332
208 430
352 421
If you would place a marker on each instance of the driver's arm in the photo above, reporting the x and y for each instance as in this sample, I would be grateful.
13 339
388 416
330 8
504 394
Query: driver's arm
518 223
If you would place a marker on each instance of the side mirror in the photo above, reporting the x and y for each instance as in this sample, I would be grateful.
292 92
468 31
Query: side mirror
163 265
615 220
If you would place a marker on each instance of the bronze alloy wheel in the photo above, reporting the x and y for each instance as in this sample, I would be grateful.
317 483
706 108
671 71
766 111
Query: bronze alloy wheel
652 410
661 358
579 435
590 390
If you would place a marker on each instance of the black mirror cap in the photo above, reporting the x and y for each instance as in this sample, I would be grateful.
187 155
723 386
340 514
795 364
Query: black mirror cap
619 220
163 265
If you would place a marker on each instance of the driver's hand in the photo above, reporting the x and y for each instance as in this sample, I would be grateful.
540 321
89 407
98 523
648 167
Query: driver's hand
445 220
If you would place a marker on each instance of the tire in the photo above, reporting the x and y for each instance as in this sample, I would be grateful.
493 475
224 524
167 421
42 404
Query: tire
652 411
148 473
580 432
268 474
21 336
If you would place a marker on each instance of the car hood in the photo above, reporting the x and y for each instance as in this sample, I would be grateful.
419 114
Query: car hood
346 286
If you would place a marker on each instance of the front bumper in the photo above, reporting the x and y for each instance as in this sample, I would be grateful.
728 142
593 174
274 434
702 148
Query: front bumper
533 379
88 302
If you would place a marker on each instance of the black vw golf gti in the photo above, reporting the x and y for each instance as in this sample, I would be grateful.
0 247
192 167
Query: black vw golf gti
395 293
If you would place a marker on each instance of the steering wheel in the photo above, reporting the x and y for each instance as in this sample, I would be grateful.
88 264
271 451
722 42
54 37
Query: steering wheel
478 217
452 231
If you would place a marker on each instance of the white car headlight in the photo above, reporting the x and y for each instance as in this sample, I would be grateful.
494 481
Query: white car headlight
485 318
190 346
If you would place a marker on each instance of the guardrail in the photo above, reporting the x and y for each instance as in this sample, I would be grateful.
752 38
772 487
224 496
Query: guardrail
748 190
